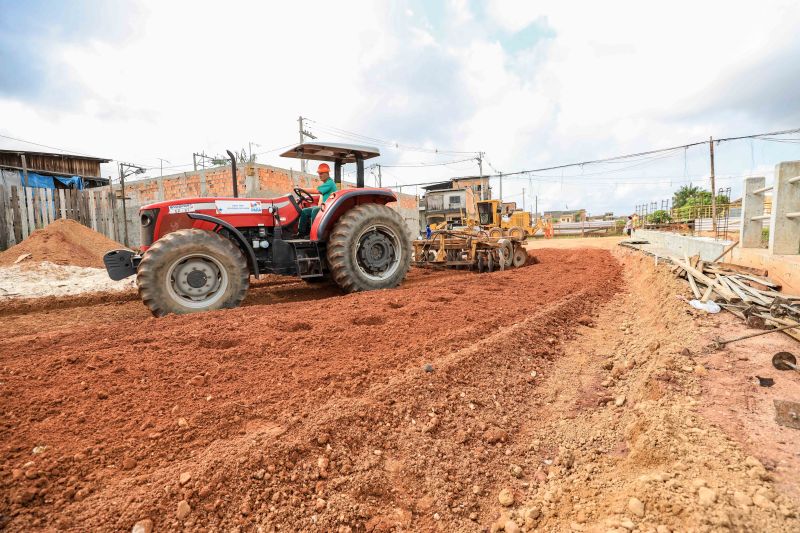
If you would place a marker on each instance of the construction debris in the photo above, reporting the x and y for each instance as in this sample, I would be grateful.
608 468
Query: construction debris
746 292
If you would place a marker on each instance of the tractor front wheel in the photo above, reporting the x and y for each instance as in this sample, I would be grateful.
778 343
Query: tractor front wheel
369 249
192 270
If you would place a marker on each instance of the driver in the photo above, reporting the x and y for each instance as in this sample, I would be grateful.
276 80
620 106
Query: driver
325 189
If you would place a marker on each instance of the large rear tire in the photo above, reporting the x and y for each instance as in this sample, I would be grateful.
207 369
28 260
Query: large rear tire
369 249
192 270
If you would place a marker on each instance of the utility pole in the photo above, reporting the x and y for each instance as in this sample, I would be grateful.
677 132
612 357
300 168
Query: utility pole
303 134
537 207
501 191
126 169
170 162
713 187
523 198
484 190
380 177
194 160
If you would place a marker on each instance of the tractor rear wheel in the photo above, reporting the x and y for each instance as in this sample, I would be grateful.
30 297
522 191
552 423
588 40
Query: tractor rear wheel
369 249
192 270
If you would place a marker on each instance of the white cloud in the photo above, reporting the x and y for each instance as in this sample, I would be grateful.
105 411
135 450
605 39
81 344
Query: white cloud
598 79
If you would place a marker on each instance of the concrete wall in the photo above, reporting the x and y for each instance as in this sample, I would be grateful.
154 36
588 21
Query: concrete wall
707 248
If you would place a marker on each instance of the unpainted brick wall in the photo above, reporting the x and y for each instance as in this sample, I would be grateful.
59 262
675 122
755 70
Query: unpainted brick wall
265 182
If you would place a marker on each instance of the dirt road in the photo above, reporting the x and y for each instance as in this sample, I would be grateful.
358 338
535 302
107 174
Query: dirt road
546 397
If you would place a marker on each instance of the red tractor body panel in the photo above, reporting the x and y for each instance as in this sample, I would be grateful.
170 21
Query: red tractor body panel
340 201
253 212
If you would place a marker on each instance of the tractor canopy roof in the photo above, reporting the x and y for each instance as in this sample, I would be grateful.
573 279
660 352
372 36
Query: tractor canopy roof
324 151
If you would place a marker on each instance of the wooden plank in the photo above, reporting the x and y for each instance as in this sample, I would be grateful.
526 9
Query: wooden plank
27 202
58 194
4 233
87 217
754 294
692 282
707 294
35 208
726 251
16 215
722 291
84 210
93 209
48 205
67 205
74 205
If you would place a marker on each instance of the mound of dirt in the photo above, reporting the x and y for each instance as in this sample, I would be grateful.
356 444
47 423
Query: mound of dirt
64 242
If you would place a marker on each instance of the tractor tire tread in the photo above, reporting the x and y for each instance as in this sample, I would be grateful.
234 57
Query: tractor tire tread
339 263
150 290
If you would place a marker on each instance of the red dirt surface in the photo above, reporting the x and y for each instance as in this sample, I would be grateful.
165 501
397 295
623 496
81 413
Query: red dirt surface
299 411
64 242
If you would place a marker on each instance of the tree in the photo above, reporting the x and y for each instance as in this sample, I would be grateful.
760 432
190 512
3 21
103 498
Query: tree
683 194
659 217
241 157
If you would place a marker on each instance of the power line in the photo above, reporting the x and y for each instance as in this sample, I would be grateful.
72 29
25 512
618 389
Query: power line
420 165
648 152
339 132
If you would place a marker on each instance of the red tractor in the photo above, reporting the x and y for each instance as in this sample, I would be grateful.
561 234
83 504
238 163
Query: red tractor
198 254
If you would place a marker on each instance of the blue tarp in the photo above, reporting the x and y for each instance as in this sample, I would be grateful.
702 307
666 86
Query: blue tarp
47 182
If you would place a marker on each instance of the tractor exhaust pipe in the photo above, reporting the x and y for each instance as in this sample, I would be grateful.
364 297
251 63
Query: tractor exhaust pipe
233 171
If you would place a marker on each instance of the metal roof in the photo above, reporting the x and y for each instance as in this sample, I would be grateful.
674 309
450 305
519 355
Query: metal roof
56 154
325 151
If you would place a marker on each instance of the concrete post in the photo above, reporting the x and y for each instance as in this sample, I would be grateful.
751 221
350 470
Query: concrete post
250 181
203 190
784 234
752 206
161 189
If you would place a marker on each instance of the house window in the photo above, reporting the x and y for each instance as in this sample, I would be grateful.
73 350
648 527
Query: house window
454 201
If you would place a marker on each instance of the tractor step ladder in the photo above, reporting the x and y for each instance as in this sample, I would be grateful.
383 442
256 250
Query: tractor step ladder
309 266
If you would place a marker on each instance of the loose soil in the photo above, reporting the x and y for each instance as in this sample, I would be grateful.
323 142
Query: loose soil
565 395
64 242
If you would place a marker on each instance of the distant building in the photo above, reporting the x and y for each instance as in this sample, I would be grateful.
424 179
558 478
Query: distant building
576 215
605 216
50 170
453 200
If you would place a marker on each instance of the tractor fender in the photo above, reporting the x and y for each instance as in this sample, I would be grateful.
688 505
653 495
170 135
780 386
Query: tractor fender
342 201
237 235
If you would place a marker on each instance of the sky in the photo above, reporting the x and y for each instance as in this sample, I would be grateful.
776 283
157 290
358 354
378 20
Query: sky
529 84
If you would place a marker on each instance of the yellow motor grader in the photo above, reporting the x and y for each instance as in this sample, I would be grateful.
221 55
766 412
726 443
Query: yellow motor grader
516 224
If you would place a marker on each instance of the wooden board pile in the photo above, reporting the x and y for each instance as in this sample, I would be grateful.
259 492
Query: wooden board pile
746 292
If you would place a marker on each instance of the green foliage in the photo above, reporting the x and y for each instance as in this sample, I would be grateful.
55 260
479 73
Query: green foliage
659 217
683 194
241 158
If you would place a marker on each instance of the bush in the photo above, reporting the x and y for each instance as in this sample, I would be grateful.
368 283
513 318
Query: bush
659 217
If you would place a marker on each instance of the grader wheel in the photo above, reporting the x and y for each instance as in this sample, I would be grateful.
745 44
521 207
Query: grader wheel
495 233
516 232
520 257
507 248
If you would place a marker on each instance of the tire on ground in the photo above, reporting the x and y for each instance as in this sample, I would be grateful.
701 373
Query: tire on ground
508 251
152 276
343 242
516 232
520 256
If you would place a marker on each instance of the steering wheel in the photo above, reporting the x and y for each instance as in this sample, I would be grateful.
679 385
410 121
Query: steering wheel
304 195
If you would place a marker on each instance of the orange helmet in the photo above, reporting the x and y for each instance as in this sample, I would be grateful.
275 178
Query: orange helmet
323 167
